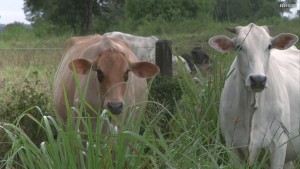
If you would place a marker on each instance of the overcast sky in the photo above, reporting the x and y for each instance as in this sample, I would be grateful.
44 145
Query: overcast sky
294 10
12 10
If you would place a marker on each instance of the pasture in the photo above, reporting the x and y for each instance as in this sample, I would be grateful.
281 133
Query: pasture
179 128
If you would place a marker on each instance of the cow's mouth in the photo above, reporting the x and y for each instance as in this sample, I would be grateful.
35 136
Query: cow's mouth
115 107
113 127
257 88
256 83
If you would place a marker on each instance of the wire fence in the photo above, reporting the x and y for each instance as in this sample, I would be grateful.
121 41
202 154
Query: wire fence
17 64
45 59
175 45
6 49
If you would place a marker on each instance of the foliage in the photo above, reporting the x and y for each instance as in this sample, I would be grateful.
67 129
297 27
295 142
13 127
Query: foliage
168 92
29 100
165 90
94 16
16 31
75 14
27 96
232 10
3 45
108 16
45 28
169 10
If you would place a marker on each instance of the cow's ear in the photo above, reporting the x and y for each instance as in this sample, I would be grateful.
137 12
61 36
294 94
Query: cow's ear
81 66
284 41
144 69
222 43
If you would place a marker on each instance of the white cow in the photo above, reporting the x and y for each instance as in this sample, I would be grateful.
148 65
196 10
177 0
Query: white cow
144 47
260 106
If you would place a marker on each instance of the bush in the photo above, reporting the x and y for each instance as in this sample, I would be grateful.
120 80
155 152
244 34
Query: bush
44 28
25 98
16 31
166 92
169 10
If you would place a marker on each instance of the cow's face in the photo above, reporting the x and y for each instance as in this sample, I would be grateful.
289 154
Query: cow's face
253 45
113 72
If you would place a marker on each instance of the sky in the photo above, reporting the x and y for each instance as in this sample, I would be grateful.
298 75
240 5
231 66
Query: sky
12 11
293 10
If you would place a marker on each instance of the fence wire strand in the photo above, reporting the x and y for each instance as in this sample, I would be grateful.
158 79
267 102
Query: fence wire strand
31 48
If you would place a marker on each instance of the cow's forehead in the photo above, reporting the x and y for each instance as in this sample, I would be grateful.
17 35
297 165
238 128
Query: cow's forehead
112 60
252 34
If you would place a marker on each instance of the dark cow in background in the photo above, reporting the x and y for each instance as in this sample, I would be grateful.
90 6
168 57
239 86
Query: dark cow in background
197 58
189 61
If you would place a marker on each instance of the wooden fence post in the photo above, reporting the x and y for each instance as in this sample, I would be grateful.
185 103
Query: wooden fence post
163 57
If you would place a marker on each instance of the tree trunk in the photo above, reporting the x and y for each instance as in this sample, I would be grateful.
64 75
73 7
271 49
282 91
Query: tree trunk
87 19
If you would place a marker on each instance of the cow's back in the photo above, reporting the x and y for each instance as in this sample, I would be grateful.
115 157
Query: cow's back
289 64
143 47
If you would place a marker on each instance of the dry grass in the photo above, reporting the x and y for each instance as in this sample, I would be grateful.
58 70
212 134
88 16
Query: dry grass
17 65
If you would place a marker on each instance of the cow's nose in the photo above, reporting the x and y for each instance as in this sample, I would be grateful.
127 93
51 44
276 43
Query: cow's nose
115 107
258 81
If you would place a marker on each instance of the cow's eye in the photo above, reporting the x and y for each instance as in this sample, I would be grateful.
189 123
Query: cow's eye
100 75
270 47
126 76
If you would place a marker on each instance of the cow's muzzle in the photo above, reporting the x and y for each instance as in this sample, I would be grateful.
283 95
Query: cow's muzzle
115 107
258 82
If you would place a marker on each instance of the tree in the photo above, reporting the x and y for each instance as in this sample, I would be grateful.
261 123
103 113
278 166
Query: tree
232 10
33 9
265 9
76 14
169 10
87 19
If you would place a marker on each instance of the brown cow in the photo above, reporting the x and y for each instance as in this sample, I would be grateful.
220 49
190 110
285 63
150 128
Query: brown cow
116 78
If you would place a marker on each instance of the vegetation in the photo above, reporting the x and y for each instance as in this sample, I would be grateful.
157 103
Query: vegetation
179 128
249 9
99 15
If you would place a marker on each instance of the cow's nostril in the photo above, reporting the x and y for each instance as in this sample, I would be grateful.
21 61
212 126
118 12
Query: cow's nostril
258 79
115 107
258 82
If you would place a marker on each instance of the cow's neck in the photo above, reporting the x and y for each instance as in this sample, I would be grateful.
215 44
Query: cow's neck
248 100
247 97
